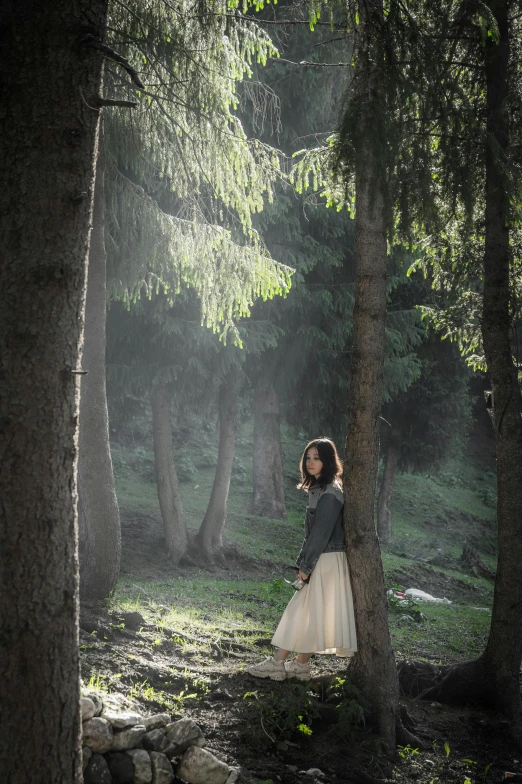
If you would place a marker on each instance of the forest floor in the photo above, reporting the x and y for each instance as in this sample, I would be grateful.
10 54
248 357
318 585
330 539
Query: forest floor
196 631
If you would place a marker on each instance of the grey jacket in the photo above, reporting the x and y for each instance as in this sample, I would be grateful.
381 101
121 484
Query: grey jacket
324 532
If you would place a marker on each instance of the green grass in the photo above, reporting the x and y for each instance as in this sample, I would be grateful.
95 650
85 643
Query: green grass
449 631
206 602
432 518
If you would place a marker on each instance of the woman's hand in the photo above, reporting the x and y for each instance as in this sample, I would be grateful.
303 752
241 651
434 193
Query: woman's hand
303 576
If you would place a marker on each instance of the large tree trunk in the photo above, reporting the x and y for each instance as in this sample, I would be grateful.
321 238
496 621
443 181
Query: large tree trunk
391 459
268 498
494 677
209 536
374 665
175 532
98 513
48 137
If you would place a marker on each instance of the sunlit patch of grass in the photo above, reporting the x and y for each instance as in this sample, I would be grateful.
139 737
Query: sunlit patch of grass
392 562
450 630
97 683
204 603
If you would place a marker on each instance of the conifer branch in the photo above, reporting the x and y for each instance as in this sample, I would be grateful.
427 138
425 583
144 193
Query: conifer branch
100 102
320 65
95 43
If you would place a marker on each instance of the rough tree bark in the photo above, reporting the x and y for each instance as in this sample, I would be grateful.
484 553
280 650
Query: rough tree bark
209 537
494 677
268 497
503 652
175 532
98 513
374 666
391 459
48 137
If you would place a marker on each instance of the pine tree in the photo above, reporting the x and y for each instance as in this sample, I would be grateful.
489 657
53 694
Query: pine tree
182 180
483 239
98 512
426 423
364 167
51 76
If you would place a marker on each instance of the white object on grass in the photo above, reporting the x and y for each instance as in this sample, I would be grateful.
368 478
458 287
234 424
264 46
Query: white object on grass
422 596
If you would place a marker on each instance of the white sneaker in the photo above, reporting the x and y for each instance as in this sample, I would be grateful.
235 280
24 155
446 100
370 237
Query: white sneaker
268 668
296 669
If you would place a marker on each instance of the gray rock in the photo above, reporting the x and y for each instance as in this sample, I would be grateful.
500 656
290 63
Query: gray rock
86 755
132 620
87 708
162 772
157 721
156 740
98 703
182 734
121 767
128 739
198 766
121 719
234 776
220 694
97 734
142 766
315 772
97 771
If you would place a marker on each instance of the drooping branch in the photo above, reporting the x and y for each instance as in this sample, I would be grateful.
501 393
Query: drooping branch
91 40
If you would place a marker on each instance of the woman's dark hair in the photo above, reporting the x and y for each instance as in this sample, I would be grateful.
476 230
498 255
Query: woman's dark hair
332 466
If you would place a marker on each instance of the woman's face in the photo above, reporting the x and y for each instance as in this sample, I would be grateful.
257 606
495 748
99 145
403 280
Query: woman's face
314 465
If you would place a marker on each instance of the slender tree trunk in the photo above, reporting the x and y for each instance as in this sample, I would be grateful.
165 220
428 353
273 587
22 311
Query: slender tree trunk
374 665
268 499
209 535
503 653
48 137
494 677
384 518
175 532
98 513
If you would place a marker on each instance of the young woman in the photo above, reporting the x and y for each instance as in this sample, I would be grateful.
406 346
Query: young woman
319 617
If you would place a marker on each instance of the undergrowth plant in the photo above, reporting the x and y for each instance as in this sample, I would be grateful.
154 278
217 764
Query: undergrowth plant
291 710
405 606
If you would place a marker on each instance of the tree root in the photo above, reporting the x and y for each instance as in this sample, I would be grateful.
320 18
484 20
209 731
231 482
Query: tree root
404 737
450 683
465 683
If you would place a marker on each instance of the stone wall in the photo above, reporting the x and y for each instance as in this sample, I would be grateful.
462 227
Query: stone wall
123 747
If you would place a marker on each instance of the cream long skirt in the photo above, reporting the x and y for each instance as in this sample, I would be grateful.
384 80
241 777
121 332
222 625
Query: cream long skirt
319 618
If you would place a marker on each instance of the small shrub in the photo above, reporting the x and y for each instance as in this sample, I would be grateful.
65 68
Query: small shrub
185 468
239 471
207 457
291 711
405 606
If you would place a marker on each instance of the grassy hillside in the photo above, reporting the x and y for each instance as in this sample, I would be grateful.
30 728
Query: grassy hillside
433 516
196 630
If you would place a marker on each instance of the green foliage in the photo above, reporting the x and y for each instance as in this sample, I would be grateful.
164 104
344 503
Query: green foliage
183 178
405 606
406 752
185 468
292 709
431 418
152 251
425 121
